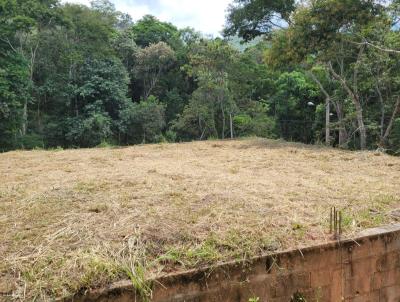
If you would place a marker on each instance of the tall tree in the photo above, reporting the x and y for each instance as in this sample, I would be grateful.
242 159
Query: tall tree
331 29
149 30
252 18
21 23
209 64
152 62
100 97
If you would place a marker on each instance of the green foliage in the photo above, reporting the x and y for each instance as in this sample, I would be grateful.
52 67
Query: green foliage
90 31
13 90
174 104
204 253
105 144
139 282
243 122
298 297
100 95
170 136
255 122
149 30
152 61
32 141
143 122
25 15
251 79
250 19
78 76
90 130
211 103
198 117
126 48
395 137
294 104
103 82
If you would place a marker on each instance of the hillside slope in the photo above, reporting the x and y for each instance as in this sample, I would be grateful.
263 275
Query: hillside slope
82 218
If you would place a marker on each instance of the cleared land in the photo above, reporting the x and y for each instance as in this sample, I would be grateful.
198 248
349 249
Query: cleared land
82 218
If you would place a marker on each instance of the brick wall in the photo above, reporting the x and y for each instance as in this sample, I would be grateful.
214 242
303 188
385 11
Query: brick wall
360 270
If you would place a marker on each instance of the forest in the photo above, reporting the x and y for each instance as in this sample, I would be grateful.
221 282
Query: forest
315 71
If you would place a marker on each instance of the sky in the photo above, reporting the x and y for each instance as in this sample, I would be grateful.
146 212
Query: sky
207 16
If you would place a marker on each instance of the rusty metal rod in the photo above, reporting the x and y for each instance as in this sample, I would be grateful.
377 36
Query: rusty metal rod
335 220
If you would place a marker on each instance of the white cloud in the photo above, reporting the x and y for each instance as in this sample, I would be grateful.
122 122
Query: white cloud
136 11
208 16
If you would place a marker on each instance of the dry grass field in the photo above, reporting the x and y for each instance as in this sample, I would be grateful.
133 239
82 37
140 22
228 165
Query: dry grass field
78 219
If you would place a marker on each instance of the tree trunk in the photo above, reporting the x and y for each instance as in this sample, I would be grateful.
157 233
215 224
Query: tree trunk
327 109
361 125
39 122
382 103
24 118
357 104
202 130
343 136
223 119
389 128
327 123
152 83
231 124
24 125
76 106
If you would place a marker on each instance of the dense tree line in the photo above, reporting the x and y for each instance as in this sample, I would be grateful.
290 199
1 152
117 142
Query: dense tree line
320 70
349 51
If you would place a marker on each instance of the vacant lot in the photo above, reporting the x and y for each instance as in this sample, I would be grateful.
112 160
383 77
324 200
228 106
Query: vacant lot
82 218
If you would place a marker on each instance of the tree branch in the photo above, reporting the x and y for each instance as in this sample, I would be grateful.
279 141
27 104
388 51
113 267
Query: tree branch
9 43
390 125
366 43
355 74
380 97
315 79
343 82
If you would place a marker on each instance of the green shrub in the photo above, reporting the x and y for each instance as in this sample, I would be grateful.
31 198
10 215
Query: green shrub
394 140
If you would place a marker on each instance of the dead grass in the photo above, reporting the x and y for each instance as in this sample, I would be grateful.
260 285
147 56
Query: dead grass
77 219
